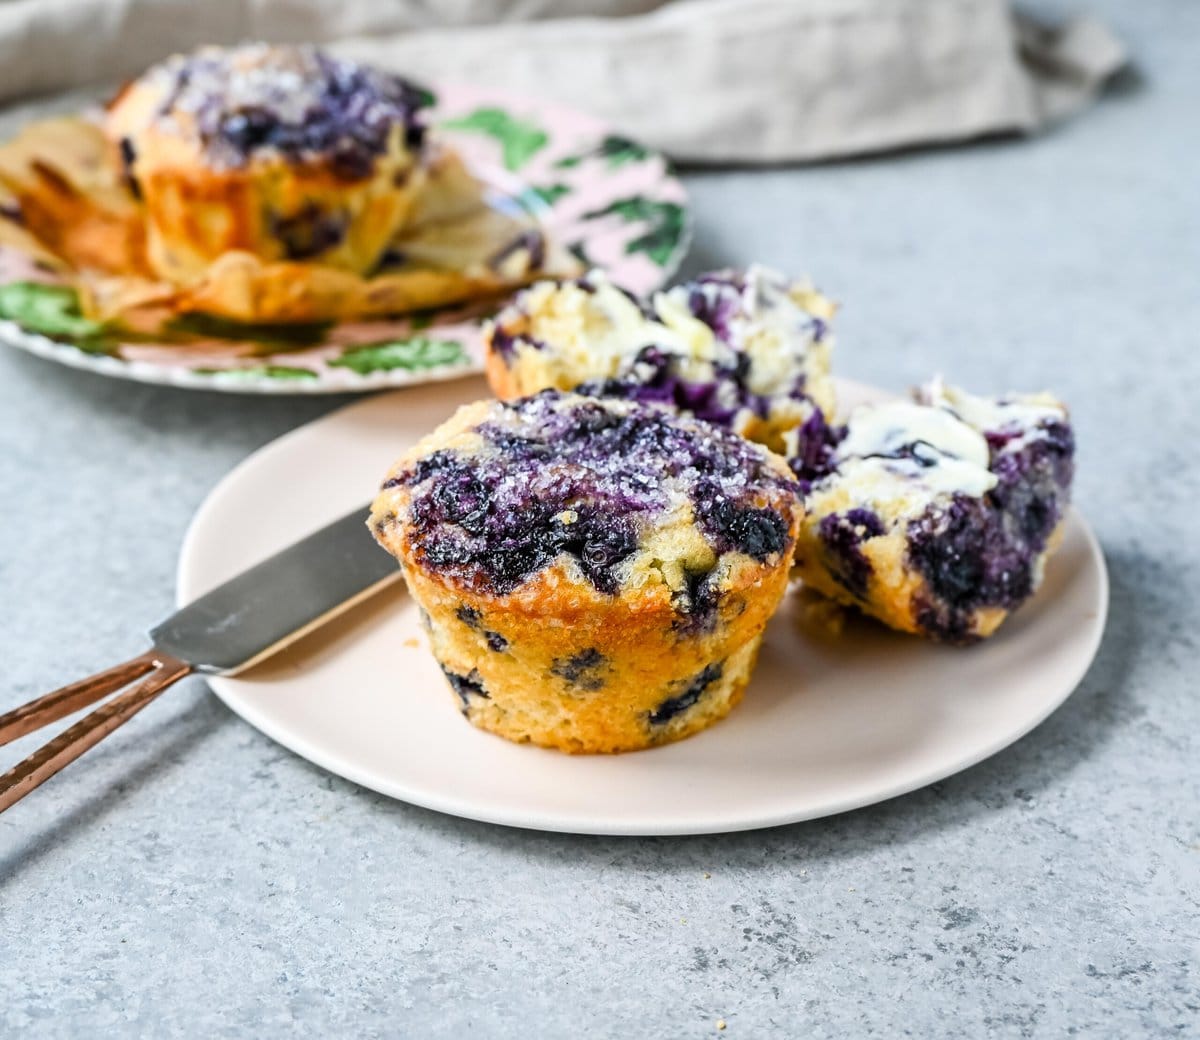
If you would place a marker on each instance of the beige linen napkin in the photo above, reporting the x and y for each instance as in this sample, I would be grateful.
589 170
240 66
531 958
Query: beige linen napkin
705 80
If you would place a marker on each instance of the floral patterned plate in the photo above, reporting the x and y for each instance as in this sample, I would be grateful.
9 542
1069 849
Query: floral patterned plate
613 203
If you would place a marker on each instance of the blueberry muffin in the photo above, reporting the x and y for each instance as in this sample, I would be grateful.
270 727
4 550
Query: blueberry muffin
935 516
746 350
594 575
284 153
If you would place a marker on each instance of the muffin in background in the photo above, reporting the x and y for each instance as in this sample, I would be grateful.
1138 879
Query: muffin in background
283 152
936 516
745 350
594 575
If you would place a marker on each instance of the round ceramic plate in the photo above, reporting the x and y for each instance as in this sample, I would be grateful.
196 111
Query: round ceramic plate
610 201
827 724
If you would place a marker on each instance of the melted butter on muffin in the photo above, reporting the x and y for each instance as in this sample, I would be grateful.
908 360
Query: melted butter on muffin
903 455
1023 416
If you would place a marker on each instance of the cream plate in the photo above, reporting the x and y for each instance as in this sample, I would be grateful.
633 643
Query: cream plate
826 725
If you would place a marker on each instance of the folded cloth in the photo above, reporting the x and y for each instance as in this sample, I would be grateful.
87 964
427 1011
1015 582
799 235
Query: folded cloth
704 80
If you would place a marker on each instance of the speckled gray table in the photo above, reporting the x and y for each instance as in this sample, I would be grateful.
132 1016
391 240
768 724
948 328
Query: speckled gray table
192 878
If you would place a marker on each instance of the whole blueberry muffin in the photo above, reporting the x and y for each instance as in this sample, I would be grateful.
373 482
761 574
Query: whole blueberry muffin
935 516
595 575
746 350
282 152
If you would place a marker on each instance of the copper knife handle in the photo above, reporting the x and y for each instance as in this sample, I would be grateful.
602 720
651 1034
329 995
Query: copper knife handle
69 699
92 728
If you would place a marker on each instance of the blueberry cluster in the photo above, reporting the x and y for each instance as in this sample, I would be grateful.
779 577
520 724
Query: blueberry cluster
716 299
657 373
693 690
842 535
720 298
471 617
466 686
656 376
981 552
505 343
337 110
566 475
309 232
813 448
582 670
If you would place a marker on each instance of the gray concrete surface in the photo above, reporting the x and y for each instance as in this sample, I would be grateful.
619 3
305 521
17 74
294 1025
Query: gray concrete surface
191 878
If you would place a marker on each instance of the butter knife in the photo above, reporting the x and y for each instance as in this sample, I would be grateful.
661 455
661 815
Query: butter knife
236 625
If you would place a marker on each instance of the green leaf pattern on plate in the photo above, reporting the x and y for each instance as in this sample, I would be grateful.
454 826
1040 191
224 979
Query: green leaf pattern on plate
579 251
666 222
269 337
615 149
545 194
52 310
416 354
253 372
519 140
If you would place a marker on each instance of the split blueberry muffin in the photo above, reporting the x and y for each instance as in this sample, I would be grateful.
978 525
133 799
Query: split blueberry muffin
283 152
595 575
935 516
746 350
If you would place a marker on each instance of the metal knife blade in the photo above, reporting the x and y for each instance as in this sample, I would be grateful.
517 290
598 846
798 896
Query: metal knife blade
277 601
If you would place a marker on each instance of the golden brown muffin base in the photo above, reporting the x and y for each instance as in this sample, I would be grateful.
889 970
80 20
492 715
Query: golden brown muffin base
195 215
643 660
79 219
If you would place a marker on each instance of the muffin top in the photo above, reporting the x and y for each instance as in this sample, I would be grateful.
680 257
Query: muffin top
257 100
727 343
619 493
975 485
